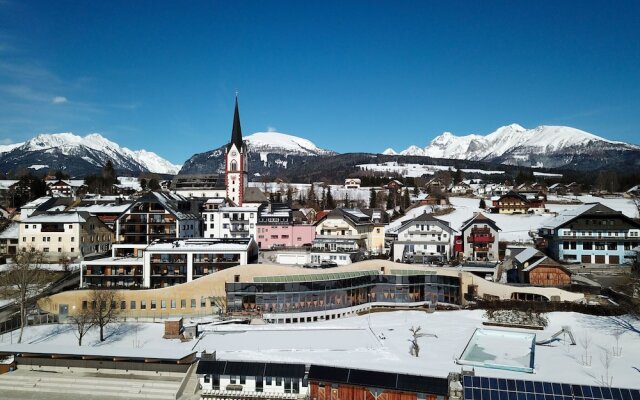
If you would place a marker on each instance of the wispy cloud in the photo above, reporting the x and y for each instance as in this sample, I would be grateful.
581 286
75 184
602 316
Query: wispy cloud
59 100
271 129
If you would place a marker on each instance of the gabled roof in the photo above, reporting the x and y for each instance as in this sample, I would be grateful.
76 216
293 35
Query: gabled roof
586 210
254 195
479 218
526 254
354 215
170 201
512 193
547 261
74 217
429 218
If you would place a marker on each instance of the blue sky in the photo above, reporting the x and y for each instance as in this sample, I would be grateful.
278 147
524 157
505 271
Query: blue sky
348 75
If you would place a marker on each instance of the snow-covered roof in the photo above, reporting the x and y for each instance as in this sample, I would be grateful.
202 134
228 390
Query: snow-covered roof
104 208
12 231
36 202
526 254
60 218
570 214
217 245
164 353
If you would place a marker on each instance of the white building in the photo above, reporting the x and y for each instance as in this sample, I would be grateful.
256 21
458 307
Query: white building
236 163
167 264
223 221
65 234
352 183
252 380
424 239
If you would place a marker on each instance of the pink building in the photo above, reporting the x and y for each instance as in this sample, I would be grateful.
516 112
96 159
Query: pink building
270 236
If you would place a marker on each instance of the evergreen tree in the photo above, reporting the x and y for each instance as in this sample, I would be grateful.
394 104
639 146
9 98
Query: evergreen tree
406 201
458 176
390 205
346 200
323 199
312 200
330 204
373 199
289 194
482 205
143 183
154 184
109 173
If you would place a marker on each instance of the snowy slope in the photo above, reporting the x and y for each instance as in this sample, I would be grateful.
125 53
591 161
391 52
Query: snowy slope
389 152
514 142
276 142
94 149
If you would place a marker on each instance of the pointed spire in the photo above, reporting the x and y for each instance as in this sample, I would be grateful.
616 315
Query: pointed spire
236 133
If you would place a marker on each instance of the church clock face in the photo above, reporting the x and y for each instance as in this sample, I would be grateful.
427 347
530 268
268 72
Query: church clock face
233 154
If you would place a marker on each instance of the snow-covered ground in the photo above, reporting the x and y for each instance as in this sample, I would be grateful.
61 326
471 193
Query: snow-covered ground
416 170
514 228
381 342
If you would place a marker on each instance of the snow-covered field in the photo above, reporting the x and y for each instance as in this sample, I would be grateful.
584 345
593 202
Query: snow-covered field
416 170
381 342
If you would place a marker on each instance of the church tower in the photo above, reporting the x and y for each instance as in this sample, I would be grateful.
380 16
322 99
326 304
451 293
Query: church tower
236 162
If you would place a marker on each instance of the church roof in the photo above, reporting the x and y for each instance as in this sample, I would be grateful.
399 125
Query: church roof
236 132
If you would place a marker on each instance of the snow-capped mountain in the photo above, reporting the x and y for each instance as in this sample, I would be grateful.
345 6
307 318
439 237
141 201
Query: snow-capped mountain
276 142
268 152
80 155
548 146
390 152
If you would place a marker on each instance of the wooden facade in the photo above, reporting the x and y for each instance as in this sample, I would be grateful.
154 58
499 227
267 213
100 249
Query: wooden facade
549 275
327 391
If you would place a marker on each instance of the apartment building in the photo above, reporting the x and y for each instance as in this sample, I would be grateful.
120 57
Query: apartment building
424 239
65 234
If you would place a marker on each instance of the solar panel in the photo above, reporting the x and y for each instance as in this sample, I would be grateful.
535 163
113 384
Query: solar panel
489 388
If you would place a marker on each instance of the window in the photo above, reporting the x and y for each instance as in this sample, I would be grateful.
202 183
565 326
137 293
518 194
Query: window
278 381
84 304
143 305
59 238
268 380
73 249
59 249
612 246
24 238
70 226
73 239
599 246
183 303
33 239
173 304
163 304
193 303
243 379
203 302
132 305
46 250
153 304
123 305
232 379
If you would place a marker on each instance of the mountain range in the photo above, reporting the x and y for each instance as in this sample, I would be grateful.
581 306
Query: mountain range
277 154
543 146
79 156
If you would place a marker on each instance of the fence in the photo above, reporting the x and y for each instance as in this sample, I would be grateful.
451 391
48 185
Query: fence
13 323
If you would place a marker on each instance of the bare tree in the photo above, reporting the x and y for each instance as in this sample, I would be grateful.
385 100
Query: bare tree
415 335
104 308
585 343
82 321
25 279
605 359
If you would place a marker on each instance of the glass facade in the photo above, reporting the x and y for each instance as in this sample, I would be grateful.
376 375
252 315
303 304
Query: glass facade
291 297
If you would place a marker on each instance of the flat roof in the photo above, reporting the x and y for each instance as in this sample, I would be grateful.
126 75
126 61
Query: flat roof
313 277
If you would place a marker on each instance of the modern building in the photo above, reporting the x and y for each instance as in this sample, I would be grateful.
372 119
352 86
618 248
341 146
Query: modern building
591 234
158 216
424 239
252 379
168 264
352 183
290 290
480 238
65 234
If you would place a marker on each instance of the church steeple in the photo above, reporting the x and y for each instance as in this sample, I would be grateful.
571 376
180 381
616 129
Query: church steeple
236 132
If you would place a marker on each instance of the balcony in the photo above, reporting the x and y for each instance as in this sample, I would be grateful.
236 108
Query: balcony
480 239
239 228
